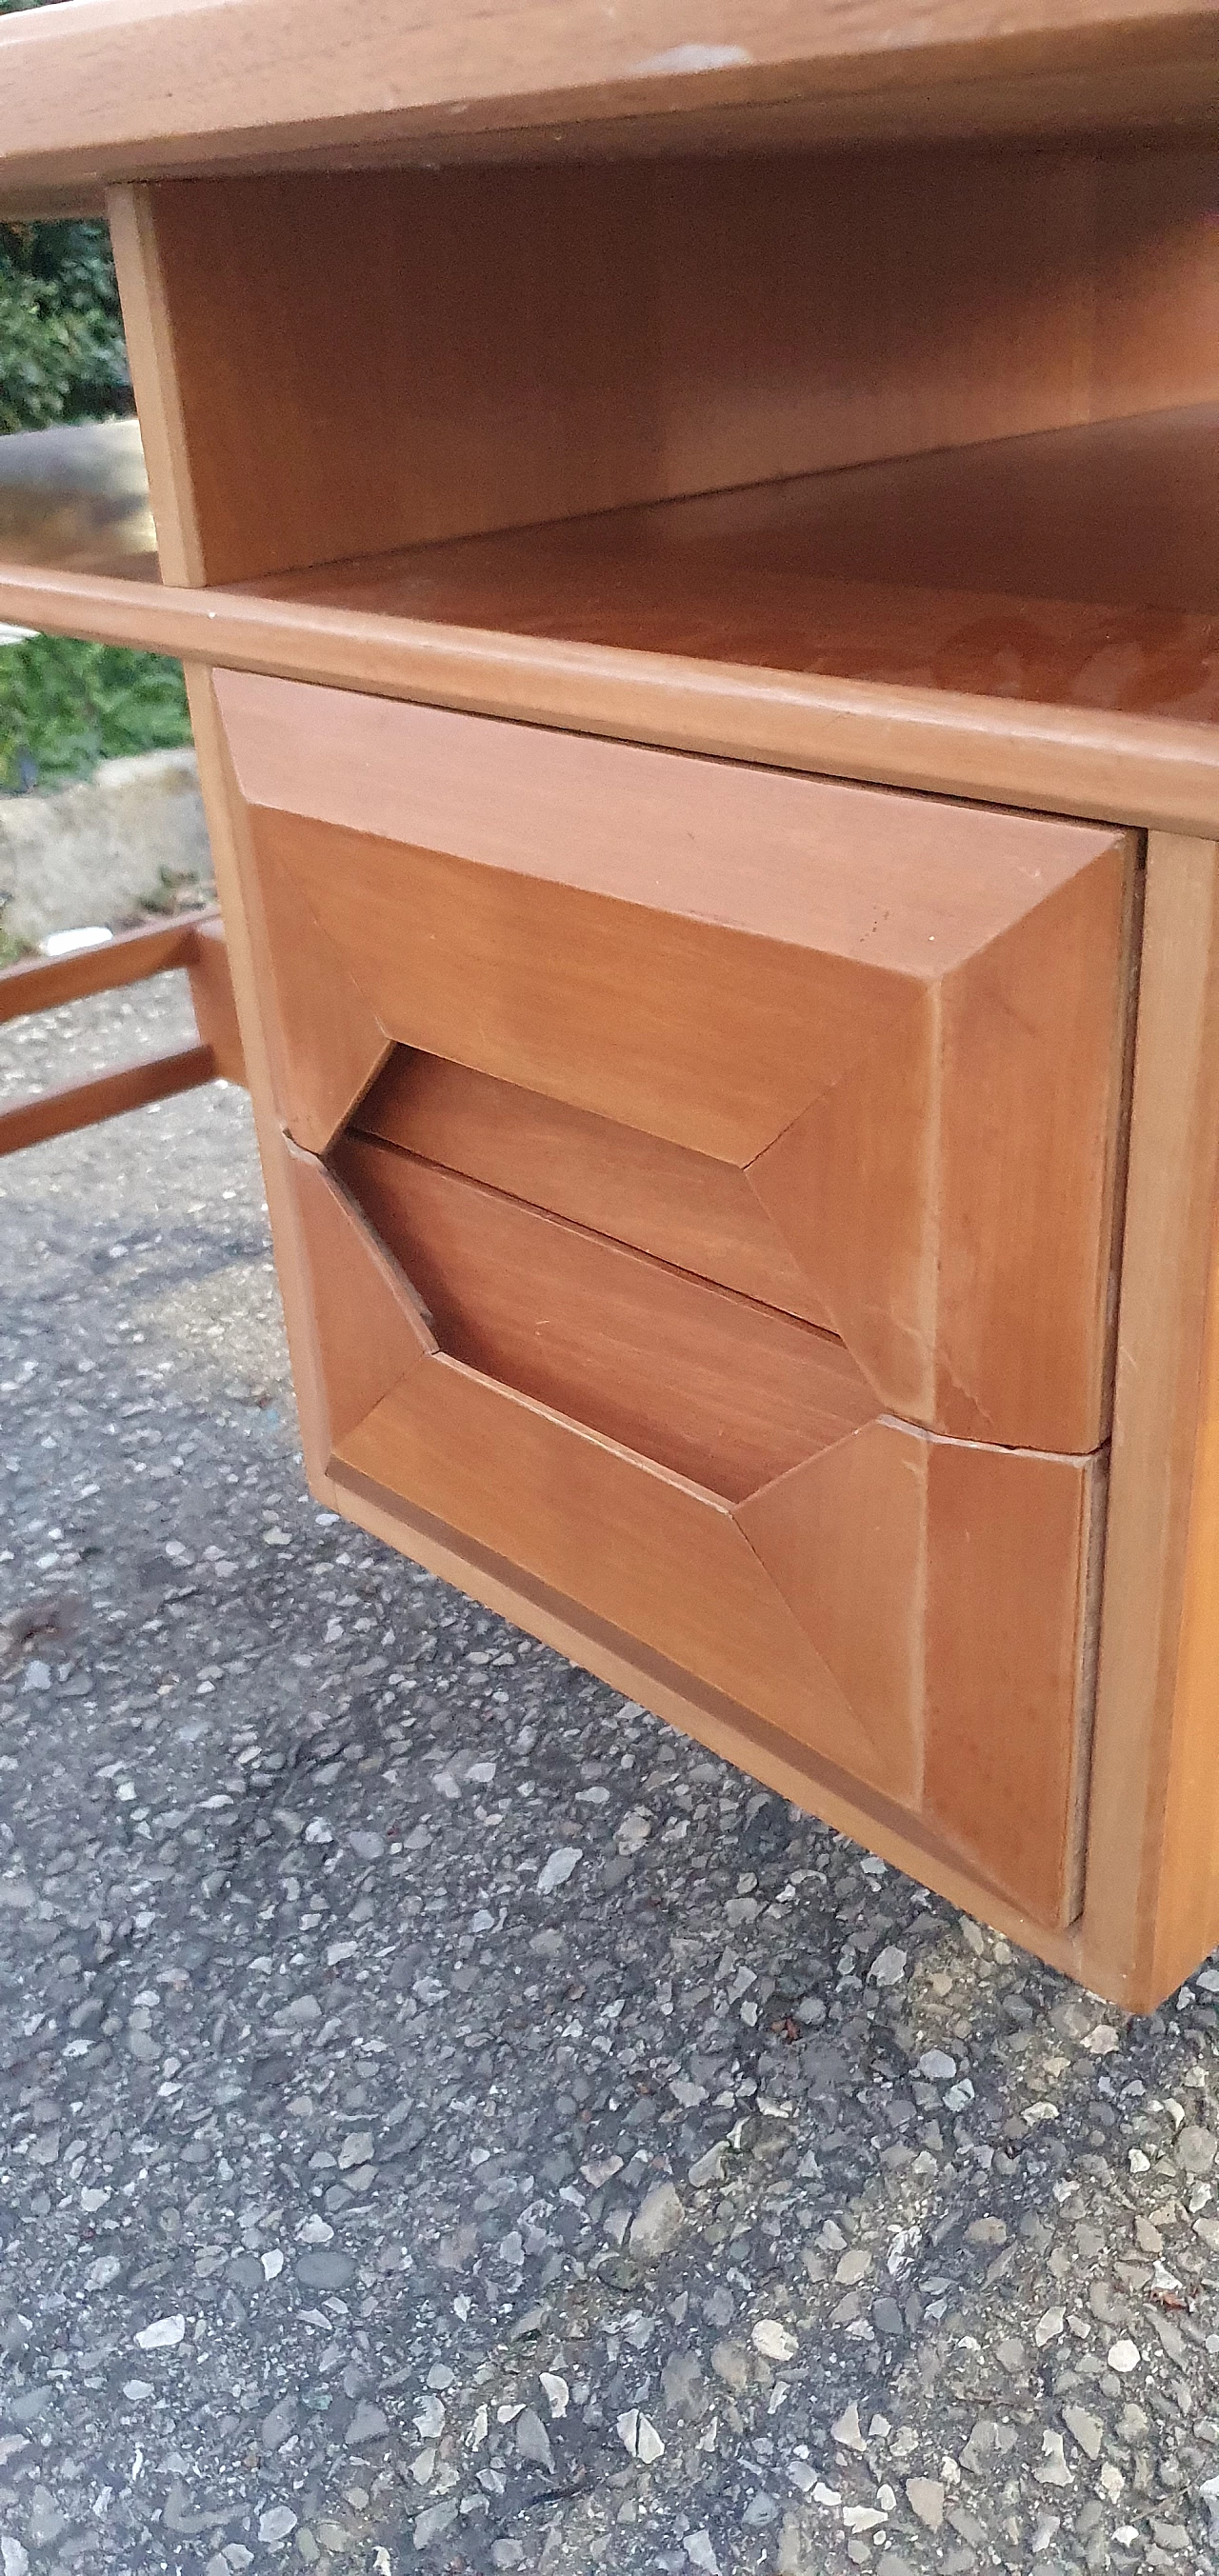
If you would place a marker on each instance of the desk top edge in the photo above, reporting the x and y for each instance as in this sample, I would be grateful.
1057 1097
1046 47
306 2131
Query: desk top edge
106 92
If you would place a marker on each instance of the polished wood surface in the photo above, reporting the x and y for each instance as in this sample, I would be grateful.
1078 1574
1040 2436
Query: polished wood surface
684 1208
1075 568
719 1388
892 1015
794 1771
1153 1871
831 1623
125 89
1160 774
504 364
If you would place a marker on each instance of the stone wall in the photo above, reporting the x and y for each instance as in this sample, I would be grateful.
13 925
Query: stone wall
93 851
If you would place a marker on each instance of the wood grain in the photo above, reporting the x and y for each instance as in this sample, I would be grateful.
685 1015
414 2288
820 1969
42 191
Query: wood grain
131 90
853 1808
950 1589
109 1095
369 1326
1154 772
325 1041
646 1550
723 1391
502 366
1153 1880
1077 567
1012 1568
213 1001
43 983
891 1013
683 1208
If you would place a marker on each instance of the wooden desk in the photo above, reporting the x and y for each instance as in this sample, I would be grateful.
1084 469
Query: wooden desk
698 568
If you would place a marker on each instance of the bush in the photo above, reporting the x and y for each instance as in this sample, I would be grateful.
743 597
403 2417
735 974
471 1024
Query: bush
64 706
61 332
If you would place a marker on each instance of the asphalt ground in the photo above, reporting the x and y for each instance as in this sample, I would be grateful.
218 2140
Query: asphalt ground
449 2121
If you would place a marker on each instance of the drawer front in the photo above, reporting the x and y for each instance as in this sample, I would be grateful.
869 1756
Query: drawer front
705 1182
879 1038
911 1611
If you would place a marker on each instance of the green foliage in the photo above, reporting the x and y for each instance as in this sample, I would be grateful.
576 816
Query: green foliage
62 355
64 706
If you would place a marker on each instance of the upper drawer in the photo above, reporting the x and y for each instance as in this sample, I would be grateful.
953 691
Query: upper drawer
896 1027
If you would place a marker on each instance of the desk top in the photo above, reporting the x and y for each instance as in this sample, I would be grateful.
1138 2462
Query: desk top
107 91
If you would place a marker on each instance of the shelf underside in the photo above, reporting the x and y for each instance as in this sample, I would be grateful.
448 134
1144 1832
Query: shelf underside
1078 568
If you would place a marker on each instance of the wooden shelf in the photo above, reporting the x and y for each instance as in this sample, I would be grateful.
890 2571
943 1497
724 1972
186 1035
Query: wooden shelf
1077 569
1026 620
116 90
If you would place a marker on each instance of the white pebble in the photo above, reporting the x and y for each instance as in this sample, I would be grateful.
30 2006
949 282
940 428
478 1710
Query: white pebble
774 2341
558 1869
162 2334
1123 2355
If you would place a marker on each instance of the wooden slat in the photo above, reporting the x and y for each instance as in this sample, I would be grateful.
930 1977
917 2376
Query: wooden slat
43 983
213 1000
683 1208
134 89
721 1390
85 1104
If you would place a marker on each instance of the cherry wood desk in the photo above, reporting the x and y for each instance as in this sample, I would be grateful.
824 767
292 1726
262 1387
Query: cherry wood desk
698 569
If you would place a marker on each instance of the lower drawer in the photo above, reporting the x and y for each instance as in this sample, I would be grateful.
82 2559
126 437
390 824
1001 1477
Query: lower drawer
910 1610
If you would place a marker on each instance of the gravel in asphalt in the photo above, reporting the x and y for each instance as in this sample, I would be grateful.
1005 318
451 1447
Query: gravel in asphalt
449 2121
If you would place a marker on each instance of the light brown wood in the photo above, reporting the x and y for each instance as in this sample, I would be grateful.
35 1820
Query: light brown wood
109 1095
1153 1884
647 1550
867 1544
128 90
43 983
1076 568
722 1390
369 1327
849 1806
956 1579
1151 772
683 1208
317 1084
502 366
881 1008
213 1002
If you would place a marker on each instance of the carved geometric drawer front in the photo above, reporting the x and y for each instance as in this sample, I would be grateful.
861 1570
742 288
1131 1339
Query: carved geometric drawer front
705 1182
900 1021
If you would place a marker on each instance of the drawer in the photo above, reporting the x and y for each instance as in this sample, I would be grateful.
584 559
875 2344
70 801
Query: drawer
913 1613
705 1180
888 1033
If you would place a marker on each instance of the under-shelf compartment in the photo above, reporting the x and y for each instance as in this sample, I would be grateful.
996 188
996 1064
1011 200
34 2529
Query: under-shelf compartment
1073 567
